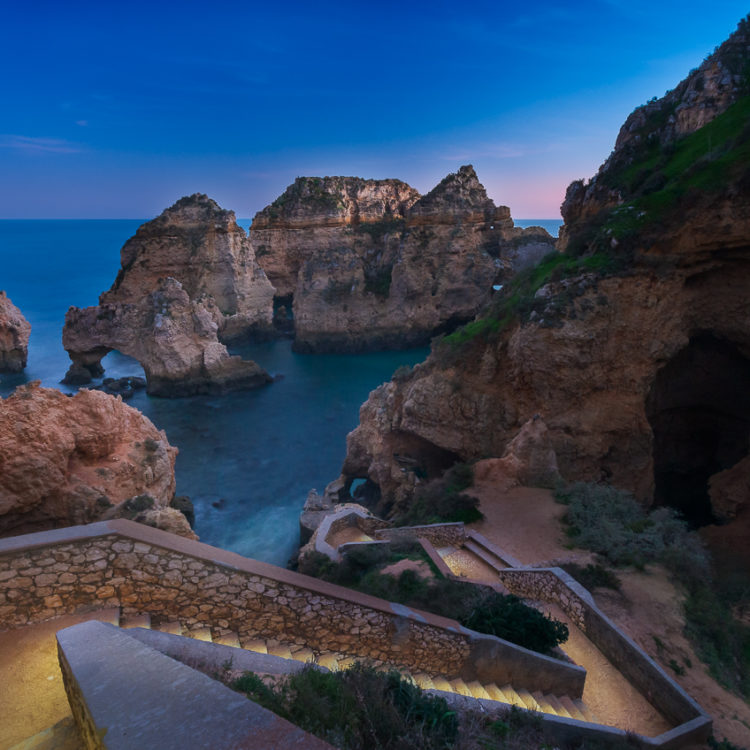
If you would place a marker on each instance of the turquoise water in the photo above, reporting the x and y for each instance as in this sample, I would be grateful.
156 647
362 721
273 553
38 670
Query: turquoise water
247 460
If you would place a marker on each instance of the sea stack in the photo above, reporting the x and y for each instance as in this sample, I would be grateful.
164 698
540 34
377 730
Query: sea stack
188 283
371 264
14 336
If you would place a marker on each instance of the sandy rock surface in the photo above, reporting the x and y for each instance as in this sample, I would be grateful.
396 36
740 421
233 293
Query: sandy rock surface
14 336
74 460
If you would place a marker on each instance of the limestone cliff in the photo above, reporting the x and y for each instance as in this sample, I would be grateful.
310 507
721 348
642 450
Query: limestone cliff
372 265
72 460
633 345
14 336
188 281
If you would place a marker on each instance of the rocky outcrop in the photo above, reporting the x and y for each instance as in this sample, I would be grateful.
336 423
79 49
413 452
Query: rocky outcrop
645 144
189 281
372 265
173 337
73 460
634 347
14 336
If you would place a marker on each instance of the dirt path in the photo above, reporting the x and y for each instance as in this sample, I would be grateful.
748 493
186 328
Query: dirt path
526 523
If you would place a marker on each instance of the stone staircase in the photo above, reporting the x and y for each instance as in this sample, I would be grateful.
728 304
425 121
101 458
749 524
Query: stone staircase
548 704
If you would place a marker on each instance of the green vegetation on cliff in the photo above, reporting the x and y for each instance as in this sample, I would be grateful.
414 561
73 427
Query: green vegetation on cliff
611 523
659 180
477 607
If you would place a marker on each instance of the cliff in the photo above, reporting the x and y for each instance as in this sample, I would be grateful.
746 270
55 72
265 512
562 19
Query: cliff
372 265
14 336
633 344
66 461
188 282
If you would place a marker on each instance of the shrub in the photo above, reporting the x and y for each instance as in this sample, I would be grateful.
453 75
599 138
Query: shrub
442 500
477 607
358 708
593 576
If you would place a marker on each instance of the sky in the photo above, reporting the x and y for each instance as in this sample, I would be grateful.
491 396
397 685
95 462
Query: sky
116 109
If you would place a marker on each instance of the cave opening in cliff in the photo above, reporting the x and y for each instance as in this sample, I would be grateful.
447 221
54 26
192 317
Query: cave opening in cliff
699 411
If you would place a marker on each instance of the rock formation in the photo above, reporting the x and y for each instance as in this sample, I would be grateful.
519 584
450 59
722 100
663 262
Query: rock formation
72 460
633 345
372 265
14 336
188 281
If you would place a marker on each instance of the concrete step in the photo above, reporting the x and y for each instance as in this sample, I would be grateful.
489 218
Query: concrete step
256 644
544 705
460 687
279 649
570 706
583 708
477 690
560 710
304 655
512 696
173 627
484 555
528 699
442 684
495 693
328 660
200 634
228 639
135 621
424 681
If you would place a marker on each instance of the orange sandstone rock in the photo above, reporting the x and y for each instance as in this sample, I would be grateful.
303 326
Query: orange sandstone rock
72 460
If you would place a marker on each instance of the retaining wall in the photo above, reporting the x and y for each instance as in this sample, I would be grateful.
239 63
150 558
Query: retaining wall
140 569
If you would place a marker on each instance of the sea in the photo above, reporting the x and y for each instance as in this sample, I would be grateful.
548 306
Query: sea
247 460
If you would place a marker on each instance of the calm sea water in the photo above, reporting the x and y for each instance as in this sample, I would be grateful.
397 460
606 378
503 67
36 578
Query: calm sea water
247 459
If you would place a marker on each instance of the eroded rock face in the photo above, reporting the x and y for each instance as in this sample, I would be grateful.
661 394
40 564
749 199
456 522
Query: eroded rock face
14 336
173 337
74 460
372 265
641 371
189 281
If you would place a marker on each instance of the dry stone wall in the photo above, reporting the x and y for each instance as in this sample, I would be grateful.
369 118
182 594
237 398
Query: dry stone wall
141 577
439 534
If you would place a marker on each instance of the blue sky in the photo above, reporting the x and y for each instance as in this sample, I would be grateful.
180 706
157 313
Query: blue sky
115 110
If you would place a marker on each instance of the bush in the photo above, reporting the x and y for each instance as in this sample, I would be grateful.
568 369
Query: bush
611 523
358 708
593 576
477 607
441 500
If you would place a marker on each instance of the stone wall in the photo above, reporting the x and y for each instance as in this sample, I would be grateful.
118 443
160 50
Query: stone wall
555 585
439 534
140 569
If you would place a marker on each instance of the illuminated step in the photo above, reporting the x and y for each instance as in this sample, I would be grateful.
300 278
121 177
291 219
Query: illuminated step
172 627
560 710
441 683
135 621
512 696
495 693
528 699
424 681
478 690
544 705
303 655
258 645
281 650
571 708
329 661
201 634
460 687
228 639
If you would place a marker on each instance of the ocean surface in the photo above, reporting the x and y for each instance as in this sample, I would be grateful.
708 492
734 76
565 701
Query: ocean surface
247 460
